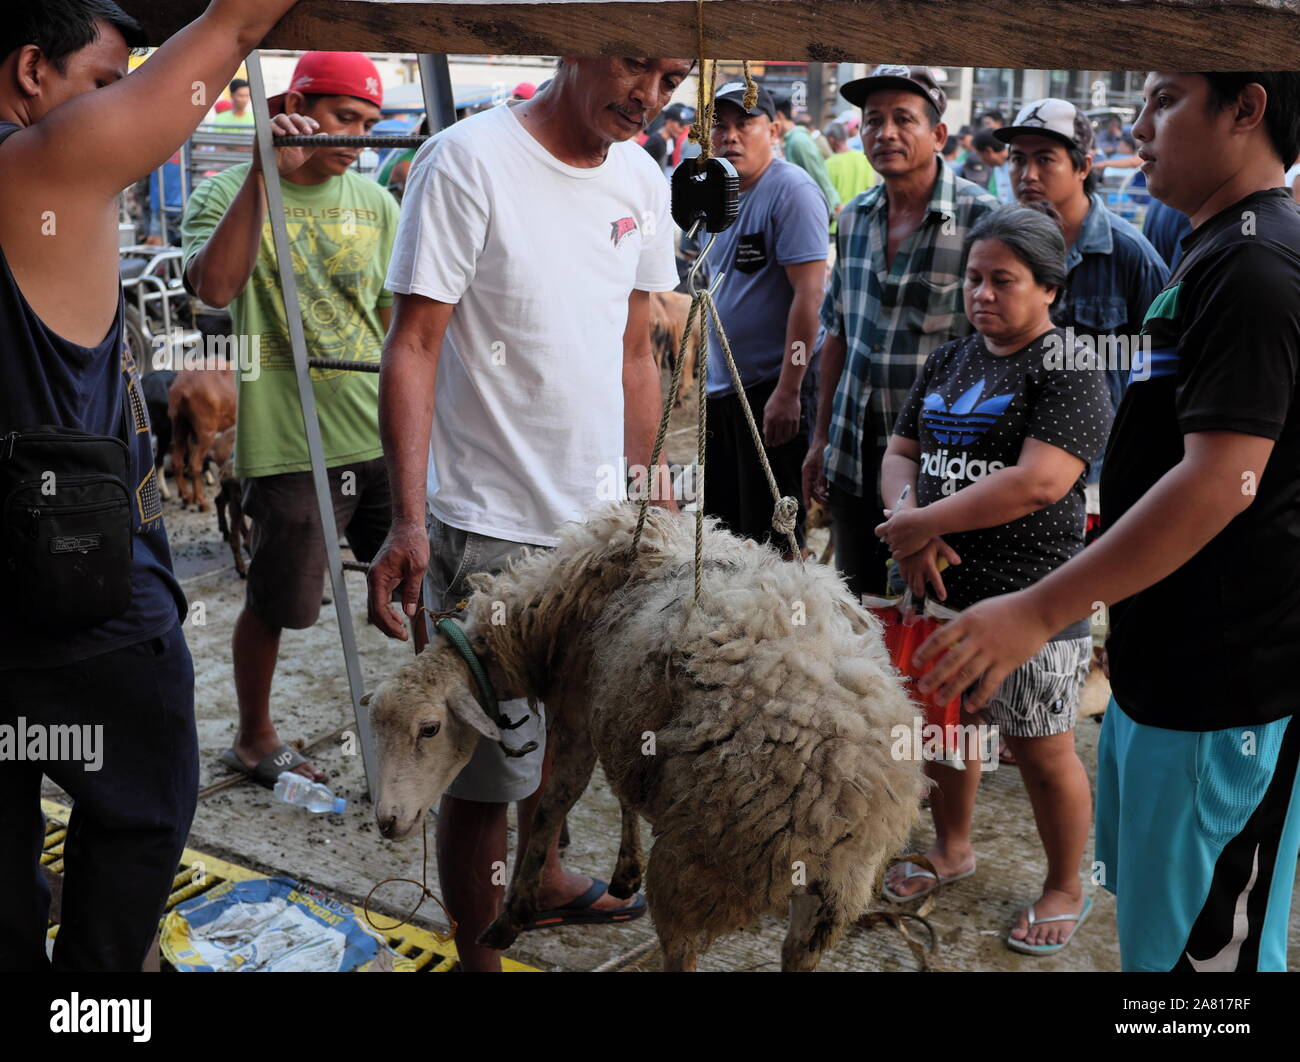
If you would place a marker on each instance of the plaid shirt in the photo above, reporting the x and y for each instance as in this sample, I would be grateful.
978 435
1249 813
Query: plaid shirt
891 318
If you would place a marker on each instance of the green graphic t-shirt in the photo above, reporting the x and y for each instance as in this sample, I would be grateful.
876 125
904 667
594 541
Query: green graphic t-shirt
341 234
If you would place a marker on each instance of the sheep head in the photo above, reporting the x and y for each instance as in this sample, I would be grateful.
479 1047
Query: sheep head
427 723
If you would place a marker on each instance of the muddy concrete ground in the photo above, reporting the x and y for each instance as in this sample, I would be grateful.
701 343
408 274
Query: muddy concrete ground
345 855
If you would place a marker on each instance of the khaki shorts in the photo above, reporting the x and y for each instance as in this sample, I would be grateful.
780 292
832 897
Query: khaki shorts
286 576
490 777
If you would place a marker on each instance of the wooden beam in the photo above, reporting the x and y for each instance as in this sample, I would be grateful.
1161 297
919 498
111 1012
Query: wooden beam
1039 34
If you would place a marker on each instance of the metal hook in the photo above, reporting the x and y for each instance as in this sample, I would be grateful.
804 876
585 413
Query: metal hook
693 274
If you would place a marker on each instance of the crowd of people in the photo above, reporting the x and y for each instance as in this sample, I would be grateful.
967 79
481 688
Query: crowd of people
916 318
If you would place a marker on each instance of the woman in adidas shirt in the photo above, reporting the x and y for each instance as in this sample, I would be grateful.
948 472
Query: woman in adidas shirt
993 447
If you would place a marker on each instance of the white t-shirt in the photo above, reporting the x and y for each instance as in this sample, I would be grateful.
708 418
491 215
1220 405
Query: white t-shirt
540 258
1292 175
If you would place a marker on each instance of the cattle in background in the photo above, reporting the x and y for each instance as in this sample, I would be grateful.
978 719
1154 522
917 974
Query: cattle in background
201 405
668 312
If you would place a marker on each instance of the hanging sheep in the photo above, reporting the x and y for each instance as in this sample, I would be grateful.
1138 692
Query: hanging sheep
752 728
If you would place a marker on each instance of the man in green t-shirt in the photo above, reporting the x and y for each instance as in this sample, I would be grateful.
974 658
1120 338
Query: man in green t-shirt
799 148
849 170
241 111
341 230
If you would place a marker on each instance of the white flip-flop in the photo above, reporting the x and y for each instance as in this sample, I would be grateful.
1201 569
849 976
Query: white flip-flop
911 870
1048 949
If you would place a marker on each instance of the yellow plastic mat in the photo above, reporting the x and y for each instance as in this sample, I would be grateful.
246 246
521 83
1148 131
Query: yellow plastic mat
200 873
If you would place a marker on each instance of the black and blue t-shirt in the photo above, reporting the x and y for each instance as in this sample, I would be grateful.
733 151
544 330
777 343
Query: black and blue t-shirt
1216 644
971 411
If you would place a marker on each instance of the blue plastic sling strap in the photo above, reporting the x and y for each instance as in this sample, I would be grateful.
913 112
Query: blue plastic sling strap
487 696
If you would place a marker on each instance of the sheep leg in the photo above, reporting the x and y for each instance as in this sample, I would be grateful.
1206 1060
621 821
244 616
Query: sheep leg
627 872
816 922
679 951
571 771
678 937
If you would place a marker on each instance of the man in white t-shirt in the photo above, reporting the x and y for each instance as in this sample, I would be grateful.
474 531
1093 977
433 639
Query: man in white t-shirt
530 237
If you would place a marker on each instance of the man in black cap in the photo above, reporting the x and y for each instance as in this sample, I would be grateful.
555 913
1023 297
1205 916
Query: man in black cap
661 140
895 295
1114 272
774 255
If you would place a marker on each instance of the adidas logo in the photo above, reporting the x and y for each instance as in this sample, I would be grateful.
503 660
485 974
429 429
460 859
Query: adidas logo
967 419
957 467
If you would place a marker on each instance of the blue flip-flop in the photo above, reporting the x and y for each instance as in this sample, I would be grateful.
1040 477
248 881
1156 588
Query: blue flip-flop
1048 949
579 910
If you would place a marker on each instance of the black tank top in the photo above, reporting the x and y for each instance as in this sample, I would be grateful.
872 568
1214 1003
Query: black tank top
46 379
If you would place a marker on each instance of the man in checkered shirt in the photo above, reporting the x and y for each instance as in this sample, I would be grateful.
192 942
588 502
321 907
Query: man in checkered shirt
895 294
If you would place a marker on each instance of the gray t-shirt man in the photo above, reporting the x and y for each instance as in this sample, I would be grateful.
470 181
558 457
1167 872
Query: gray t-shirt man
782 221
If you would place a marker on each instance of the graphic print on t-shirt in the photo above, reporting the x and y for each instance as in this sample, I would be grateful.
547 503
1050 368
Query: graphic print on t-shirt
333 251
620 228
971 412
1161 324
965 421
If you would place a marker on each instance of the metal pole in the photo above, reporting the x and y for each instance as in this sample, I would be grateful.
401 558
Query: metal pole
158 208
311 422
439 104
440 113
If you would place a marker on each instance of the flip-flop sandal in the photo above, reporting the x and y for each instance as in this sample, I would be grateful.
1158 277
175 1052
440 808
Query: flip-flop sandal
1048 949
912 870
579 911
285 758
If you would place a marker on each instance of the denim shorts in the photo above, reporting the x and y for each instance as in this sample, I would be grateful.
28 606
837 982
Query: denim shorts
491 776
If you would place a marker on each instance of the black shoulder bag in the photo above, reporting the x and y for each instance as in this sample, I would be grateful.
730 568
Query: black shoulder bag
65 528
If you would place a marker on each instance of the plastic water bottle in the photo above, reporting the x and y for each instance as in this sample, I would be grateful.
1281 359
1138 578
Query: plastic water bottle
294 789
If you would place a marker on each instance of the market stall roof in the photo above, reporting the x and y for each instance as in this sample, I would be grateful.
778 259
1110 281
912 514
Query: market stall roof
1047 34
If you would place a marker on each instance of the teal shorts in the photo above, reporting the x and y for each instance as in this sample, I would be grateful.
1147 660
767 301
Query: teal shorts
1197 837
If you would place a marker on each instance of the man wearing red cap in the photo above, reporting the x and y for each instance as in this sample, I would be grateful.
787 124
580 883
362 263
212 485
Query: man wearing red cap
341 228
531 237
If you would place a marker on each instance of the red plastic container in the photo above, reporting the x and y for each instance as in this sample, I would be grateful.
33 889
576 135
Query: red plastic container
903 639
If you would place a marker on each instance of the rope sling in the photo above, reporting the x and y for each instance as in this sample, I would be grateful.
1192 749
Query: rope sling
785 510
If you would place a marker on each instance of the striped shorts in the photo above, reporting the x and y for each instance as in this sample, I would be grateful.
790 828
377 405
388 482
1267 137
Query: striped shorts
1041 697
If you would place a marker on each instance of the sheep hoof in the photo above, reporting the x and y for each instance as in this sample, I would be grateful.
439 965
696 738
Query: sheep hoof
499 935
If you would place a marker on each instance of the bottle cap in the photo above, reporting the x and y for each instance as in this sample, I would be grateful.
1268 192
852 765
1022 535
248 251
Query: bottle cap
339 804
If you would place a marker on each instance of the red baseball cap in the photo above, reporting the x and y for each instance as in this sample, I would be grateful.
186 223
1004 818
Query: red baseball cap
525 90
333 74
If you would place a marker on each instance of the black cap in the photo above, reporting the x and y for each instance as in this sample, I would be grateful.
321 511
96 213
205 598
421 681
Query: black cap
679 112
916 79
734 92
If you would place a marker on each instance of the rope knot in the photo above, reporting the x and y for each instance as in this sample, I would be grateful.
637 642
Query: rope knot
784 515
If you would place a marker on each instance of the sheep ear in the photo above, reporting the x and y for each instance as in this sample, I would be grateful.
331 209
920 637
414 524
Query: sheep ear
468 710
365 700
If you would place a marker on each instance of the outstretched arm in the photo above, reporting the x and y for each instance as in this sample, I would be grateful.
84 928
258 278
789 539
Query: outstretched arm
1187 507
125 130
